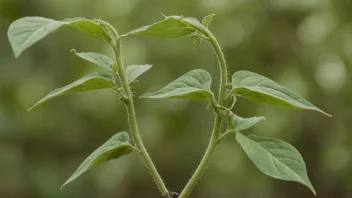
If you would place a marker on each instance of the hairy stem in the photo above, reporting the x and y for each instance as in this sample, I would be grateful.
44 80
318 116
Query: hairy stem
133 122
206 158
216 129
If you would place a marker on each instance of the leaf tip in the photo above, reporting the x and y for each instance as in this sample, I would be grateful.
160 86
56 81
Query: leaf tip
262 118
311 188
323 112
17 54
63 185
329 115
34 106
73 51
163 15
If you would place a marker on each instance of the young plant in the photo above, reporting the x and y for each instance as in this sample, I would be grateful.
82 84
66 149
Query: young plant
25 32
273 157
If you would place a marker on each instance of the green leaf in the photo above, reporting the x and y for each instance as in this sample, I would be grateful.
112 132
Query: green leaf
98 59
275 158
170 27
261 89
134 71
207 20
116 147
194 85
26 31
196 37
87 83
239 124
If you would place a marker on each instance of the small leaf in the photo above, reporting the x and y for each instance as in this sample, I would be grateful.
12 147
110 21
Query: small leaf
197 37
171 27
222 111
261 89
98 59
239 124
275 158
116 147
87 83
26 31
194 85
134 71
207 20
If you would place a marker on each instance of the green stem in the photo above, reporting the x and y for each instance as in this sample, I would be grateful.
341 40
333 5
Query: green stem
133 122
223 69
216 130
206 158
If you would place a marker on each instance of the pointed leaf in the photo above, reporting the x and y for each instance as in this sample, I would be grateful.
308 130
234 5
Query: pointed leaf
275 158
170 27
90 82
134 71
26 31
116 147
207 20
239 124
194 85
98 59
258 88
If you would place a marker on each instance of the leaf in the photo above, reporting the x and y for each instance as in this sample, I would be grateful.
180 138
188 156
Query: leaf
239 124
116 147
196 37
134 71
26 31
207 20
98 59
170 27
261 89
90 82
275 158
194 85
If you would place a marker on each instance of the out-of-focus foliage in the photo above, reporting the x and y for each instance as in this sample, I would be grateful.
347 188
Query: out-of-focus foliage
304 45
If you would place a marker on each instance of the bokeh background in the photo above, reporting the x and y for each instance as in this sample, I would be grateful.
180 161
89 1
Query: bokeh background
305 45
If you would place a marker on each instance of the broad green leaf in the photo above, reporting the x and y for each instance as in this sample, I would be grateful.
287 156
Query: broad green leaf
98 59
207 20
258 88
134 71
170 27
26 31
239 124
275 158
194 85
87 83
116 147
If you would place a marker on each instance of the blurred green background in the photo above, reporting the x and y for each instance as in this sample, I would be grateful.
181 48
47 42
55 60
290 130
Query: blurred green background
305 45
